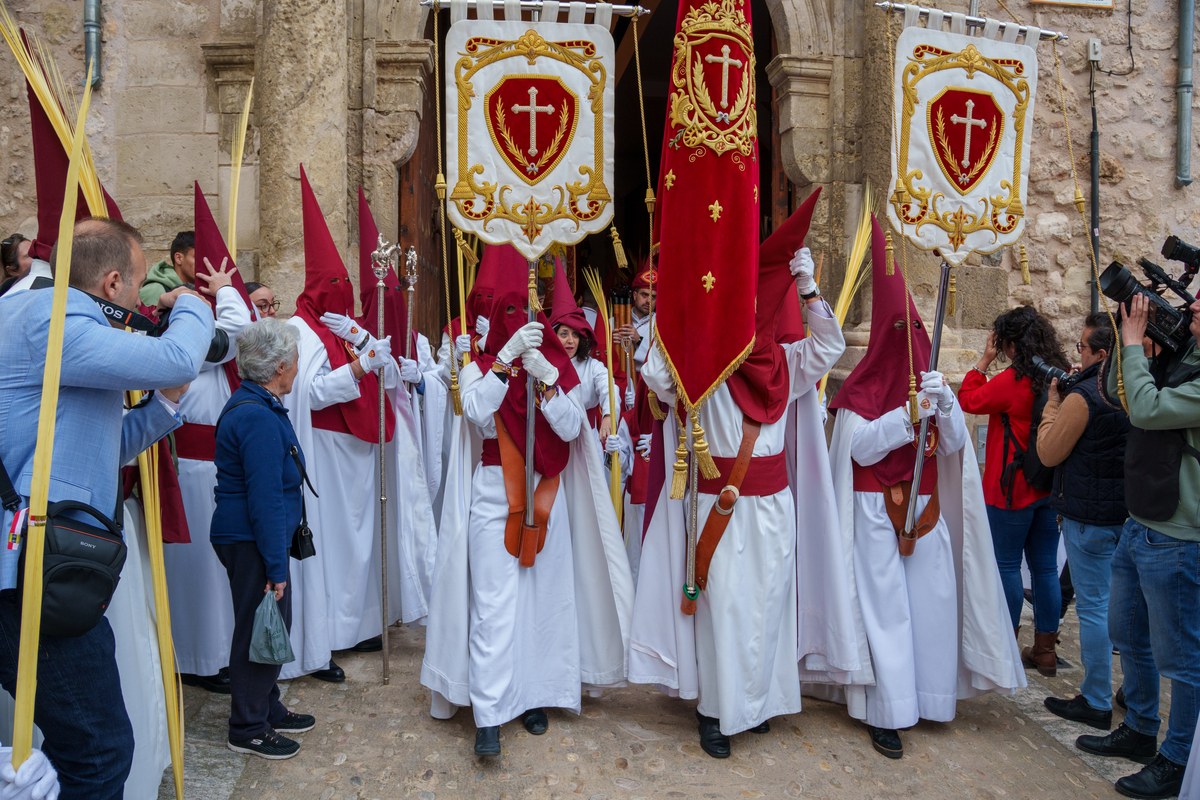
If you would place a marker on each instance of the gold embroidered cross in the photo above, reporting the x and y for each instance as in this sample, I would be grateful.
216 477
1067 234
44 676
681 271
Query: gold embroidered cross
708 281
715 209
669 180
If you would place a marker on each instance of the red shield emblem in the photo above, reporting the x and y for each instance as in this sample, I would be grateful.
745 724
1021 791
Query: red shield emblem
532 119
965 127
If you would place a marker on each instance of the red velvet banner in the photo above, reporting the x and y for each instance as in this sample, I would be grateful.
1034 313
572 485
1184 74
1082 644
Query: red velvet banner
707 215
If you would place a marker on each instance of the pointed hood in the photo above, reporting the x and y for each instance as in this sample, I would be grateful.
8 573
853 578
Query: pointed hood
760 386
395 311
50 163
564 310
211 245
879 383
327 287
479 298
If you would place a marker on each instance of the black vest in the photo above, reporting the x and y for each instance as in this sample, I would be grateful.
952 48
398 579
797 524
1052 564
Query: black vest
1089 487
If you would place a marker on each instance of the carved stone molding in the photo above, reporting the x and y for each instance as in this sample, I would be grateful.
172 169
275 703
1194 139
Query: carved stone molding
802 91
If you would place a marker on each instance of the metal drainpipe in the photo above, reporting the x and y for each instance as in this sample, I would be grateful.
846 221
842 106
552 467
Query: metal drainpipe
1183 90
91 39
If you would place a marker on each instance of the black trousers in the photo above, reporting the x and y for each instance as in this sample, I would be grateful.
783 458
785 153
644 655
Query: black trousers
255 703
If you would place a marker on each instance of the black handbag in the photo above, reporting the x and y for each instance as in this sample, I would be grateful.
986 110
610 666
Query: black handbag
302 540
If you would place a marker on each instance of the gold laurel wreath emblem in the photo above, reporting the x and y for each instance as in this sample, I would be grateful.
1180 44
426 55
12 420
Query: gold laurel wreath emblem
917 204
482 200
534 170
692 110
950 167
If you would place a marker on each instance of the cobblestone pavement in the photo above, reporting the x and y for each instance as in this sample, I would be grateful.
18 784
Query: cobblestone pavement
374 741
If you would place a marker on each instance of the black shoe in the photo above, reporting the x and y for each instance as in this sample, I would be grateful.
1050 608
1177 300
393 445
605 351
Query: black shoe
1121 698
1079 710
1124 742
535 721
1162 778
886 742
712 741
295 723
267 744
331 674
368 645
217 684
487 741
765 727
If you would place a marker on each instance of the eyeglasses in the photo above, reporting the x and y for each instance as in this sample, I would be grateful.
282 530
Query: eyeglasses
264 305
1079 347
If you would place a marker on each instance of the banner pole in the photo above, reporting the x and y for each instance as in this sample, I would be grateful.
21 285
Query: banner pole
529 404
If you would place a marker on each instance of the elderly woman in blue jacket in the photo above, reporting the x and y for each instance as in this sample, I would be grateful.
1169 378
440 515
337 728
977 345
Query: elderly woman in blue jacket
259 496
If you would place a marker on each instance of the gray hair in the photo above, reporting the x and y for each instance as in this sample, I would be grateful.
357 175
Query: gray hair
263 346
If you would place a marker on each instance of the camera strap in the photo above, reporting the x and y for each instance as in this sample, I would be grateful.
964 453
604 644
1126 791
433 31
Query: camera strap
113 312
8 495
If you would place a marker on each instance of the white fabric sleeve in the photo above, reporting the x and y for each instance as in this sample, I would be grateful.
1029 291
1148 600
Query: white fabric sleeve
658 377
565 417
444 354
170 405
332 386
600 384
627 453
482 399
875 439
814 355
643 349
952 430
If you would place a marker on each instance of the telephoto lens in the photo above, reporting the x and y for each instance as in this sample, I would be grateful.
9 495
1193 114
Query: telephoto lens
1049 373
1168 326
1176 249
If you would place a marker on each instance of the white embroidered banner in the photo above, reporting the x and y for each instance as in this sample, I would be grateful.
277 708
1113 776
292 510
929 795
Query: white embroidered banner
961 142
529 130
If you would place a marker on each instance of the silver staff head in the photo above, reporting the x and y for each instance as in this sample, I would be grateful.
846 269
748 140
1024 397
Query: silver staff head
410 266
385 256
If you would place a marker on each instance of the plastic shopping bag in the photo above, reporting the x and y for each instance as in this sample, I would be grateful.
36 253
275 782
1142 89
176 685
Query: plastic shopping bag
269 643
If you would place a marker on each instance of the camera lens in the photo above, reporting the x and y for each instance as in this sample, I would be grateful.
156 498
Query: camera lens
218 348
1118 283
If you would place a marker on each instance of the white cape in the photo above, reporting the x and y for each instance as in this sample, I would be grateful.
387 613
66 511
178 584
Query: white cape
603 585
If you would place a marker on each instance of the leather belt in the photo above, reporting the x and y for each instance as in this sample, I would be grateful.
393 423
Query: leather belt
895 502
521 541
722 510
195 441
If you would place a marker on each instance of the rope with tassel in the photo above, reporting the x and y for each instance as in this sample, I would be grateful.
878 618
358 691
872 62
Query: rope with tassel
440 187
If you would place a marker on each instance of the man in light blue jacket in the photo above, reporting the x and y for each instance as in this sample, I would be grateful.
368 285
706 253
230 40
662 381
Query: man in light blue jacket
79 705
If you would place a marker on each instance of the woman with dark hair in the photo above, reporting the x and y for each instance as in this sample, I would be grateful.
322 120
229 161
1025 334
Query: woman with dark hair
15 257
1020 515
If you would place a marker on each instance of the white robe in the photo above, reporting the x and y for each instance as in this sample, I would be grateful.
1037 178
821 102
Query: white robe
429 406
933 627
740 653
201 605
556 627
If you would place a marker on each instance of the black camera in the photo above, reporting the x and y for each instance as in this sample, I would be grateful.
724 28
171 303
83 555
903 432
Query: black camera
1066 380
1168 325
1178 250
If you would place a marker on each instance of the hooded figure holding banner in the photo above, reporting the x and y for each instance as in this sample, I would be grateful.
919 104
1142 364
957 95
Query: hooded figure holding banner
919 654
754 622
521 618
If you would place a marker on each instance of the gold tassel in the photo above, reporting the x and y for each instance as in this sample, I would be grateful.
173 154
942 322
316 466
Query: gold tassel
912 400
679 477
468 253
656 409
1078 199
455 395
700 448
950 299
891 258
650 201
1025 279
618 249
440 187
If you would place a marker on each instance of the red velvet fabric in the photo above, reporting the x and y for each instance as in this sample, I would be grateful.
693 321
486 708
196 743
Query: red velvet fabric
479 300
327 287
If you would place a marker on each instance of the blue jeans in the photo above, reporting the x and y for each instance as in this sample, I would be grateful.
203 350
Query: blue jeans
79 706
1089 552
1154 618
1032 530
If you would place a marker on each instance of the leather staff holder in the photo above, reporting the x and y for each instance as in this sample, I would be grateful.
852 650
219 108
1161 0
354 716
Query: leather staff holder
895 500
722 510
523 542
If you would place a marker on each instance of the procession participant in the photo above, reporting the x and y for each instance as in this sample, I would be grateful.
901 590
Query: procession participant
637 331
578 340
470 339
335 409
202 618
923 657
263 299
505 638
739 653
636 431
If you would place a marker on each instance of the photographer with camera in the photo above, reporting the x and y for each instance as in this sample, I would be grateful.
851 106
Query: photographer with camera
1154 600
1020 516
1082 436
79 706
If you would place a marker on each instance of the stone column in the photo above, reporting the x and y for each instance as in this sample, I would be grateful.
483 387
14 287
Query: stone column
301 96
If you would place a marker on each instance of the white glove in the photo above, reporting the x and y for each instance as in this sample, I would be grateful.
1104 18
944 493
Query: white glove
630 397
527 337
35 780
612 444
824 410
537 364
935 385
344 328
481 326
410 372
377 356
462 344
802 269
643 444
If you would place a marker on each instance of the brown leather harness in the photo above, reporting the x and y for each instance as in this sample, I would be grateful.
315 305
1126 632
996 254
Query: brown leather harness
521 541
